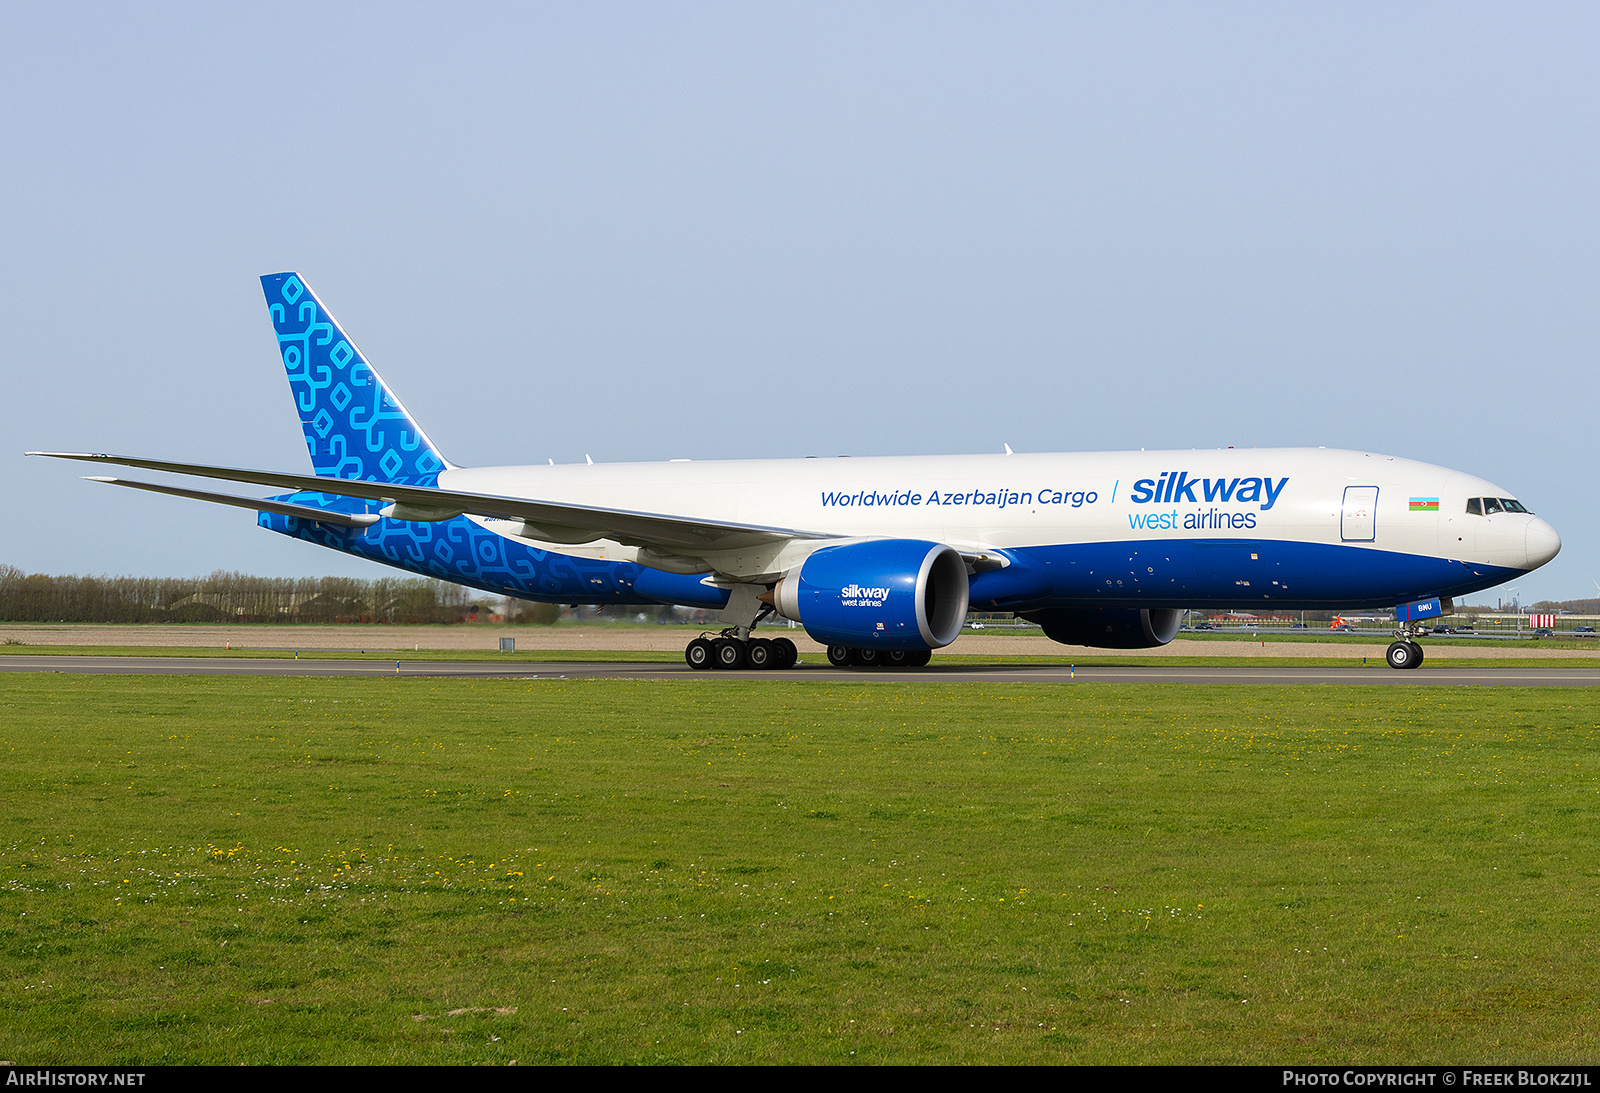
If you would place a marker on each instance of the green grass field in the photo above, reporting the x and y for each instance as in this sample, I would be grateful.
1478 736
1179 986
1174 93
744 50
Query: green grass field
264 870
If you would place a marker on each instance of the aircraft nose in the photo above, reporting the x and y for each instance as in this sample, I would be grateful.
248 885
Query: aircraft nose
1543 543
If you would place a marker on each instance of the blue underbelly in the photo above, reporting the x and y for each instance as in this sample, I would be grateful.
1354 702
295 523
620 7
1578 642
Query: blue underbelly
1222 573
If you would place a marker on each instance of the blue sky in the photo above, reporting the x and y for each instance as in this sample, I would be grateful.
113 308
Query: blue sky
653 231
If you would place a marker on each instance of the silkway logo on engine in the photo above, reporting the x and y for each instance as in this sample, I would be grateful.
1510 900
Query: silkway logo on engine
853 595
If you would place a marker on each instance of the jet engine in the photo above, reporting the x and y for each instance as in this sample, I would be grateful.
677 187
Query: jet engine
882 594
1109 627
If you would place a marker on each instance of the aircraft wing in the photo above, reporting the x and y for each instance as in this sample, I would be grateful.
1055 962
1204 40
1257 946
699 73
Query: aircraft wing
674 534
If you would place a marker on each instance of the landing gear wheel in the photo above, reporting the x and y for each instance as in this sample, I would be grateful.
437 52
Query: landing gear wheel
759 654
729 653
866 658
839 655
896 658
1404 654
699 655
784 653
919 659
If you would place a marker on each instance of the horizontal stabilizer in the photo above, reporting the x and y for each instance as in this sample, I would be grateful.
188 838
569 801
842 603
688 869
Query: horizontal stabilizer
299 512
675 533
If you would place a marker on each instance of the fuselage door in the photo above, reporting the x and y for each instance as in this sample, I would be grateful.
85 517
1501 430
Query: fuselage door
1359 521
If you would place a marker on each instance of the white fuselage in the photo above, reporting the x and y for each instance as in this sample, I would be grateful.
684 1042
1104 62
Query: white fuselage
999 502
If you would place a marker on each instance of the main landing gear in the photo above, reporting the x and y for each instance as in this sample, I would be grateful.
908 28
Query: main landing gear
734 648
841 656
1404 652
730 652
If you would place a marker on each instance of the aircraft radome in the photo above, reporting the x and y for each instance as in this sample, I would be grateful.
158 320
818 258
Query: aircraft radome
880 559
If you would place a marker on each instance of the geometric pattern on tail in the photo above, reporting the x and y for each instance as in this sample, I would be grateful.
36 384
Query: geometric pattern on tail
354 426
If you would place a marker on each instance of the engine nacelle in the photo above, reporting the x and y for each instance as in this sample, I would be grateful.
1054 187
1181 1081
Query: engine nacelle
883 594
1110 627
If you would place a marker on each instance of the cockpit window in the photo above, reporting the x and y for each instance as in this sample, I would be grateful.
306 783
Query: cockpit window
1491 505
1474 506
1512 505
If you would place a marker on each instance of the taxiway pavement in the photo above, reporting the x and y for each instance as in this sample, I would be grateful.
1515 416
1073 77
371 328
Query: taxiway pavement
1533 675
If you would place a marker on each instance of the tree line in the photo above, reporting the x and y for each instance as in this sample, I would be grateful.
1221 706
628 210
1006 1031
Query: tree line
233 597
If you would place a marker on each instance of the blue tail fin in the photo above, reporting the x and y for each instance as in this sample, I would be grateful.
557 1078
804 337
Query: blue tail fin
354 426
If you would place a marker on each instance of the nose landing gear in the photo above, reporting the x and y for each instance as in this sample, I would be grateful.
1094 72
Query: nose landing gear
1404 652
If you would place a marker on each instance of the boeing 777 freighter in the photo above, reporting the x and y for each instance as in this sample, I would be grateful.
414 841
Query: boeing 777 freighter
879 559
